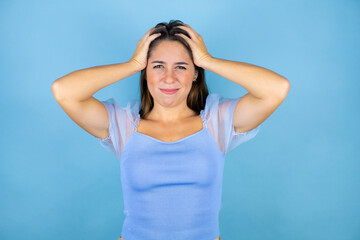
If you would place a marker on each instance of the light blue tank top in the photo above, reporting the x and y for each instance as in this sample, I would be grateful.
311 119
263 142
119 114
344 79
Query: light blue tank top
172 190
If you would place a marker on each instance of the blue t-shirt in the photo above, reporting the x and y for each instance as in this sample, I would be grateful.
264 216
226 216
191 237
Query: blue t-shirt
172 190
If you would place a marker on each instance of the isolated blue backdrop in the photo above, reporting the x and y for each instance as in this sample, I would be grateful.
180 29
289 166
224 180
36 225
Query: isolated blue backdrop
297 179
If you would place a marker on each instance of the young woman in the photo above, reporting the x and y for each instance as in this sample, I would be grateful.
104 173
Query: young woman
172 142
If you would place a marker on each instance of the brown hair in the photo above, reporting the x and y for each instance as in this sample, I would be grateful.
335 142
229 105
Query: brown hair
198 93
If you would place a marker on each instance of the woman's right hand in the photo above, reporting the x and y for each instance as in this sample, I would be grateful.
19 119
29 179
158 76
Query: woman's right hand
140 54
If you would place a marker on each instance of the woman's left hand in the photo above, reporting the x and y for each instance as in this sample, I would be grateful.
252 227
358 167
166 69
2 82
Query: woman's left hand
198 48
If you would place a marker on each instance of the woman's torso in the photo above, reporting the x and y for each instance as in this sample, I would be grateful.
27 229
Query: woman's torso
173 133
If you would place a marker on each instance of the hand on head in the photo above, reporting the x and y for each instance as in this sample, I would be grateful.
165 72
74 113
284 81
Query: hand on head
196 42
140 54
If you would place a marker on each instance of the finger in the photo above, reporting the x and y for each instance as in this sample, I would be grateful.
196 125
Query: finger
182 35
152 37
147 34
186 26
187 39
150 30
190 31
149 37
194 32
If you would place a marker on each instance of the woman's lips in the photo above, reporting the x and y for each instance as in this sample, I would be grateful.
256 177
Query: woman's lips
169 91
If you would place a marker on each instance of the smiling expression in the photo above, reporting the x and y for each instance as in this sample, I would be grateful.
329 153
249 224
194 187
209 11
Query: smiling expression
170 67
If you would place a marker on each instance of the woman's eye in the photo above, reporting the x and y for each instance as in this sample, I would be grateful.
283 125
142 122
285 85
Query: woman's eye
158 66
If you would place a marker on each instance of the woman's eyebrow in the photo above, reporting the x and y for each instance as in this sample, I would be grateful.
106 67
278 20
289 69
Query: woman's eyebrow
175 63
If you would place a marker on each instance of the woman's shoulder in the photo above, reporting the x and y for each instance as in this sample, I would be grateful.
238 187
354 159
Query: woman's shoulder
216 103
211 105
212 101
129 110
132 109
133 105
216 100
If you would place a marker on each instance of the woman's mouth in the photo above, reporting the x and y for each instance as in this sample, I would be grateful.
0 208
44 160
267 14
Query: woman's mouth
169 91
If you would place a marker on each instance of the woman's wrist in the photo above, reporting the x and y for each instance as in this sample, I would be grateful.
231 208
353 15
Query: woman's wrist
206 62
134 65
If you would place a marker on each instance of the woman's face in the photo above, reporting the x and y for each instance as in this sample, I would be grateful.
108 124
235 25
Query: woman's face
170 67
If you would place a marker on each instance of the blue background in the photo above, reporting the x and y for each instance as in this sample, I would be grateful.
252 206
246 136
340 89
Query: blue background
297 179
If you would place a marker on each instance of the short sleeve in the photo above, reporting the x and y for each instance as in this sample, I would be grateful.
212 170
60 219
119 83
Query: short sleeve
221 111
121 126
230 138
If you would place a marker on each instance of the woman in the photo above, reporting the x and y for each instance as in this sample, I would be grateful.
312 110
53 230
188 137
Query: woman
173 142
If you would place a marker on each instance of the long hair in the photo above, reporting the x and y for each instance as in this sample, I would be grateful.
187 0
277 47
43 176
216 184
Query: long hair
198 93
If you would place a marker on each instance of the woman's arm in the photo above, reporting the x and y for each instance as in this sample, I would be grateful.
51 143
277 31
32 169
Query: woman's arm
80 85
74 91
266 91
258 81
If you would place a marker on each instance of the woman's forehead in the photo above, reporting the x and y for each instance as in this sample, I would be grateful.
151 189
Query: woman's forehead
170 53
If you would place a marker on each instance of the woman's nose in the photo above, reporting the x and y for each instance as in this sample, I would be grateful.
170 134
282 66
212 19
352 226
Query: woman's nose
170 75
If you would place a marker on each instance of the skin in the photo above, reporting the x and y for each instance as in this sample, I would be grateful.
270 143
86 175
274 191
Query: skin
169 75
266 89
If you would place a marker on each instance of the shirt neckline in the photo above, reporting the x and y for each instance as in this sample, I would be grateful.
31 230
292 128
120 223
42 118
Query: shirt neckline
177 141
